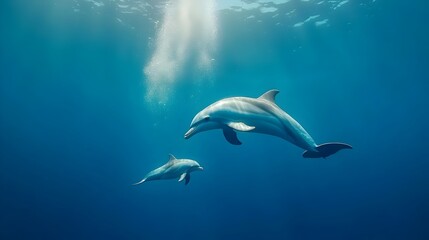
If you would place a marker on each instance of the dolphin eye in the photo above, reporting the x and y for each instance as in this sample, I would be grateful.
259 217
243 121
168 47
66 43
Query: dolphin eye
206 118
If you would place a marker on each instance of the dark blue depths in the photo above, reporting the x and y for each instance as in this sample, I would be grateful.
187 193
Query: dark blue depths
76 132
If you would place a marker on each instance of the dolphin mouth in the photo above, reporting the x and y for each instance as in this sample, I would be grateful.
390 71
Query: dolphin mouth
201 168
190 132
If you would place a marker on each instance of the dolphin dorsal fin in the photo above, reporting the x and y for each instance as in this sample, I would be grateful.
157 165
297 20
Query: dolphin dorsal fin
171 158
270 95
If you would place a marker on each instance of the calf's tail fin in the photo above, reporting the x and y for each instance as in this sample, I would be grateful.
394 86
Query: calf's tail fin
137 183
326 149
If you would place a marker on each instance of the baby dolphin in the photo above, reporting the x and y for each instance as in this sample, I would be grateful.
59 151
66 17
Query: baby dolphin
174 168
259 115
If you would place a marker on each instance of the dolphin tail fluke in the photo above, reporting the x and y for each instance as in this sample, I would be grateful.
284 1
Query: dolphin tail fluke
142 181
325 150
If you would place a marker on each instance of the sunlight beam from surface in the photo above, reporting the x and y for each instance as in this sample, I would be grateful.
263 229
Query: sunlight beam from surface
187 37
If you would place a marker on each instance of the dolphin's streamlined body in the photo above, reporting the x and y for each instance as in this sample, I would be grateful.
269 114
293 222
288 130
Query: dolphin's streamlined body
174 168
259 115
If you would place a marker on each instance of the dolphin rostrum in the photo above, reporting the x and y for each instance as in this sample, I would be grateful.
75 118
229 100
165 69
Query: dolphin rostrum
174 168
259 115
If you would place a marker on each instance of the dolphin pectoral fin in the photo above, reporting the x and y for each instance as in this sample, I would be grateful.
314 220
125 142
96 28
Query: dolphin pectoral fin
325 150
187 178
183 176
240 126
231 136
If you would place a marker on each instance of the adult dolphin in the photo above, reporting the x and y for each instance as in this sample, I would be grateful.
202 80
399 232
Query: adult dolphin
174 168
259 115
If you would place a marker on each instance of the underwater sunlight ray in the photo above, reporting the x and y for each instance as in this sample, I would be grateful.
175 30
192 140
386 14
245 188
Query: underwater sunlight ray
187 37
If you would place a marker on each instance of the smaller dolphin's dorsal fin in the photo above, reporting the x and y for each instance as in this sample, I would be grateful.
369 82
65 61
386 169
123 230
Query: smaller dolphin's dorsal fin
171 158
270 95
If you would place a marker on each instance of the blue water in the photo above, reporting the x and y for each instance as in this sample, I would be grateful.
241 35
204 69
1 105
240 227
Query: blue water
76 127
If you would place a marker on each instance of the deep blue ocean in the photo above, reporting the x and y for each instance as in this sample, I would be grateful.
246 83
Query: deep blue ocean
84 115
